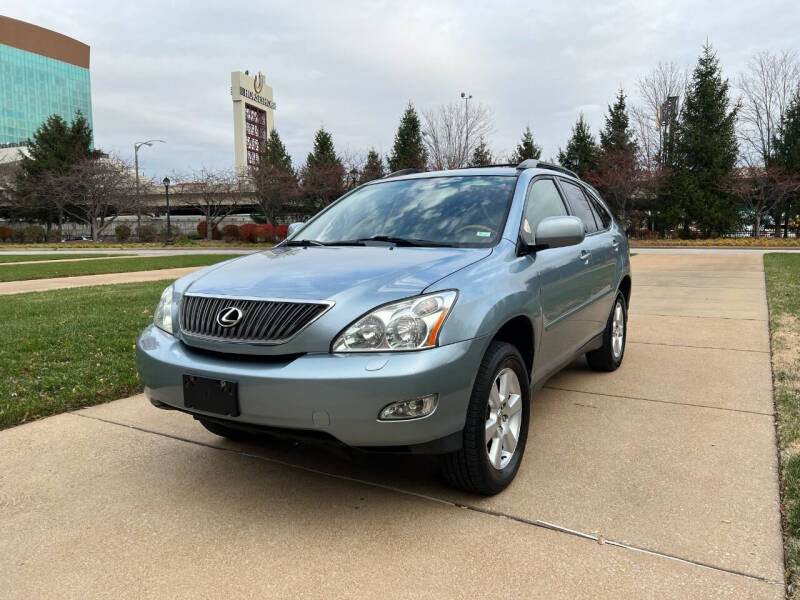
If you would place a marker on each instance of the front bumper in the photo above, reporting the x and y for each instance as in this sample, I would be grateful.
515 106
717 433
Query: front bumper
339 394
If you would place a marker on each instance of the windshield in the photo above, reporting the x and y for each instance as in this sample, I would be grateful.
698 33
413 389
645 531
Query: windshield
455 211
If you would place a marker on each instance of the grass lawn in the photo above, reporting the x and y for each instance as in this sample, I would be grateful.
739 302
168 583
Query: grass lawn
8 258
94 267
783 292
69 348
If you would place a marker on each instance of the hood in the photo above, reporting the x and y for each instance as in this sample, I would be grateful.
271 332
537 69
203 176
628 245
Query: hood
384 273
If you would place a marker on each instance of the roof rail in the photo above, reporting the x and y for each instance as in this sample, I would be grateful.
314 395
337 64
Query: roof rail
404 172
533 163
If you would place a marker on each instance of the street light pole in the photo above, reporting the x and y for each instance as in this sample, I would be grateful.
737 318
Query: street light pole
467 98
136 147
165 181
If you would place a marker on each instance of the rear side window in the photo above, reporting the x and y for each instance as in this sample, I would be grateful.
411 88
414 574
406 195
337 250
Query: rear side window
543 201
599 211
579 205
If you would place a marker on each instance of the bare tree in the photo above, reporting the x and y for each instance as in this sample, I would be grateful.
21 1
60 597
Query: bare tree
767 87
662 91
214 194
451 133
274 188
93 191
619 177
760 189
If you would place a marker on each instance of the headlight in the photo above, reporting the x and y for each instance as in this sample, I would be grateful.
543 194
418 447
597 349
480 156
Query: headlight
163 315
406 325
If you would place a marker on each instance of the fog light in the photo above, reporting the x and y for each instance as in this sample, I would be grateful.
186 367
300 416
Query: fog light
409 409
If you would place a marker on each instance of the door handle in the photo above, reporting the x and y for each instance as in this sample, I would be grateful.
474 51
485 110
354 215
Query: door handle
615 244
585 254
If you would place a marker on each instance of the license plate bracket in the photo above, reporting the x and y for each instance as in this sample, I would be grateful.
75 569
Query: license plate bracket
216 396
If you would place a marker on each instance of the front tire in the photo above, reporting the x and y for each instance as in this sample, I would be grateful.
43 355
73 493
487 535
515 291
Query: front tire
609 356
496 427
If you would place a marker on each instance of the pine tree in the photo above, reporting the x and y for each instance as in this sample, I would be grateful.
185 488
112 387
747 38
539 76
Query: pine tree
617 136
481 156
527 148
275 154
706 152
581 154
408 151
373 169
274 180
787 156
323 174
56 146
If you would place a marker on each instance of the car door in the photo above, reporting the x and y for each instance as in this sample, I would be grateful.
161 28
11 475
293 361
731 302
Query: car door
589 318
554 273
607 245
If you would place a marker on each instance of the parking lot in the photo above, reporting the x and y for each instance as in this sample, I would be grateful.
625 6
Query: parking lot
657 480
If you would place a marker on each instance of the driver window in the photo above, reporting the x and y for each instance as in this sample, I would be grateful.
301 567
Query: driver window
543 201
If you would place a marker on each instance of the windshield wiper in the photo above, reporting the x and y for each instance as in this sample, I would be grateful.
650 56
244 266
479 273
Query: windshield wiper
400 241
304 243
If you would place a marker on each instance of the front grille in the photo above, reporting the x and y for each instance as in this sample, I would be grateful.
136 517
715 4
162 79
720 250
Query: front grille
262 322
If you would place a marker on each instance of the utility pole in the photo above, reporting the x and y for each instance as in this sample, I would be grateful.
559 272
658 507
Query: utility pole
466 97
136 147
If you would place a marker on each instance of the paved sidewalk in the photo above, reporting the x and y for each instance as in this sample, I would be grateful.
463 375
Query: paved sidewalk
56 283
656 481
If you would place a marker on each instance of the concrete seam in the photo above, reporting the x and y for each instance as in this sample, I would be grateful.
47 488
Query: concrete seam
699 347
533 522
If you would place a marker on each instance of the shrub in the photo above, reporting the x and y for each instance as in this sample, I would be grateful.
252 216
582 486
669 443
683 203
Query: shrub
281 231
17 237
6 234
265 232
122 232
146 233
248 232
33 234
53 236
202 228
193 236
230 233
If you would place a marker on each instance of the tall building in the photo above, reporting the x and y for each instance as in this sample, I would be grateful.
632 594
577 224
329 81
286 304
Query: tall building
41 73
253 118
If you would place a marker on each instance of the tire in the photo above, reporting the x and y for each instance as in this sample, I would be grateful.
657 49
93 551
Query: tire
609 356
230 433
471 468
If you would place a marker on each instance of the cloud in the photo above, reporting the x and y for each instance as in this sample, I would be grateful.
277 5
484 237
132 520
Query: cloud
162 69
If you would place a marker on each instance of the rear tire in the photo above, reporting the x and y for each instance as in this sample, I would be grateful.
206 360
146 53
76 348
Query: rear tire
230 433
609 356
496 427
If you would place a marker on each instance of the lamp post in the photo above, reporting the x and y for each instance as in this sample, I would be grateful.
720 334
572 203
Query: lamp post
466 97
136 147
165 181
353 177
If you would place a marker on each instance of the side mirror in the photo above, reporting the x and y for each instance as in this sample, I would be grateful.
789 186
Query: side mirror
293 228
557 232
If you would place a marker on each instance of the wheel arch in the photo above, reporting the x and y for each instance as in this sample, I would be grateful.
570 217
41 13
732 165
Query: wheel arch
518 331
625 288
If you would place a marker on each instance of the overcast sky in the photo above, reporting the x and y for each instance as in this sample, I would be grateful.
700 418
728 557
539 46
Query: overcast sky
162 69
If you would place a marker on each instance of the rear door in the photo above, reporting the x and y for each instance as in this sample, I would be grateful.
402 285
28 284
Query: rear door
590 316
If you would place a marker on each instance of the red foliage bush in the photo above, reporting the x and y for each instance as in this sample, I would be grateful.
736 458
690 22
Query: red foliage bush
202 228
248 232
230 232
265 232
281 231
6 233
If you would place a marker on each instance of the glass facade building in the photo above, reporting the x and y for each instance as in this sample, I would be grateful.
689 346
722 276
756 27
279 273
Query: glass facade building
41 73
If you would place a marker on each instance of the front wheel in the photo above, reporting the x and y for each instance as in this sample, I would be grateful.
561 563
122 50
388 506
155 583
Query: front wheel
609 356
496 427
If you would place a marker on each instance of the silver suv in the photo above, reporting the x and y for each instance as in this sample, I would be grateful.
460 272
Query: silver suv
418 312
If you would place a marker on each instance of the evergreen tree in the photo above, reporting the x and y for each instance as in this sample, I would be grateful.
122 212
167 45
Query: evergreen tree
275 154
617 136
323 174
481 156
408 151
373 169
274 180
787 156
56 147
581 154
706 152
527 148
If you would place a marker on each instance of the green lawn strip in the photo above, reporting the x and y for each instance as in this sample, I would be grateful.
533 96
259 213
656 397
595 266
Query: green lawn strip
96 267
65 349
783 292
10 258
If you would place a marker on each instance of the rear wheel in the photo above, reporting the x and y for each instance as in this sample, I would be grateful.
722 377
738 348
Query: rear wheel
609 356
496 427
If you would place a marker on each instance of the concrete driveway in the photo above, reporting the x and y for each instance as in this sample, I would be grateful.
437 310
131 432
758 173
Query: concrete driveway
658 480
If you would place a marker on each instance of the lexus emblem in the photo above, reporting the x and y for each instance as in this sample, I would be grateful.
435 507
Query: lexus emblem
228 317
